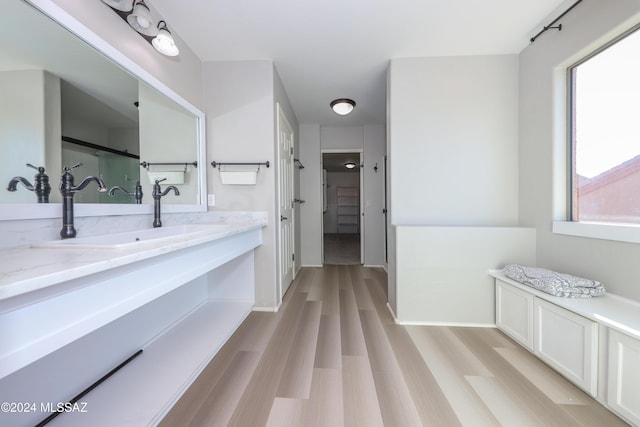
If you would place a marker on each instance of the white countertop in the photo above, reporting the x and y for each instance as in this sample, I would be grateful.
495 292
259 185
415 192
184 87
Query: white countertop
27 269
611 310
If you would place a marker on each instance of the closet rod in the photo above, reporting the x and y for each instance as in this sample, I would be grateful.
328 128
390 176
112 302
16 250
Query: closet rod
550 26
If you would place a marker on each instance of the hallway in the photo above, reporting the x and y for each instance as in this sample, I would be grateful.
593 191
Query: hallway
341 248
333 356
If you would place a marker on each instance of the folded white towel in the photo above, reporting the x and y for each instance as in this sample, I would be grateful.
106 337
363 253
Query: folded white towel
551 282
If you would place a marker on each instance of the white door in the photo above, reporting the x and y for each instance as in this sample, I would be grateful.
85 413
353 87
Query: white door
285 201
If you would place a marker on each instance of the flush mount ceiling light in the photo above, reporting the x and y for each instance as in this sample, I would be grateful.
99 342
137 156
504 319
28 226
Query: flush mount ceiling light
140 19
349 165
342 106
164 42
123 5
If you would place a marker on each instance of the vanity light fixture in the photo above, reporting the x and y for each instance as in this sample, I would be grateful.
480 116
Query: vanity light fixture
138 15
350 165
123 5
342 106
164 42
140 19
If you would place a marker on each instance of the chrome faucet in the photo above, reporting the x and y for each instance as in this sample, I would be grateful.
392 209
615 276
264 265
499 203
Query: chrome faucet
157 194
41 184
67 189
136 193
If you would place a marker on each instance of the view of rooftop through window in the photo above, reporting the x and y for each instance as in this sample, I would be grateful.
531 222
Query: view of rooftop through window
606 134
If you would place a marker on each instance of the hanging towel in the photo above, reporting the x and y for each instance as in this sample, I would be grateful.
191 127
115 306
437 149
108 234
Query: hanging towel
551 282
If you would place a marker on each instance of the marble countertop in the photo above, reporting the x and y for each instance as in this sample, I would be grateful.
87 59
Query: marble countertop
611 310
28 269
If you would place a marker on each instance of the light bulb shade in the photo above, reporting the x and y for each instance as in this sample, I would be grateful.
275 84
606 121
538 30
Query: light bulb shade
123 5
350 165
342 106
164 42
140 19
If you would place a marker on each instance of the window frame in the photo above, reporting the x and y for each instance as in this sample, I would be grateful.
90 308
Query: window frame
625 232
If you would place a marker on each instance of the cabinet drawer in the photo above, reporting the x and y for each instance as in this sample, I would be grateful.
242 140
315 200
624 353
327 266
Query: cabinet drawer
514 313
623 385
567 342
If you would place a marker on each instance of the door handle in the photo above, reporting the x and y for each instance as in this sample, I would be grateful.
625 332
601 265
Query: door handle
283 218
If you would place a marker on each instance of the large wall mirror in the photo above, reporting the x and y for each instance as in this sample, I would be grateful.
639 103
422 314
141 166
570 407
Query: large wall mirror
64 102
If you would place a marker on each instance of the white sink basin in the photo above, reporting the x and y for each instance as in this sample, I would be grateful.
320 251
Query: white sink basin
131 239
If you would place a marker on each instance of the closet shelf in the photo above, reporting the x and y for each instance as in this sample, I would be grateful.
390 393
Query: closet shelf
348 209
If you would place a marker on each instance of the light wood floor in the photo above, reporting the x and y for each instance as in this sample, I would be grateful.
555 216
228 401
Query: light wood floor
341 248
332 356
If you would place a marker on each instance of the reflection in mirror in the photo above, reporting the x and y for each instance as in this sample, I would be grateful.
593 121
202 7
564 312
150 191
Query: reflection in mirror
105 140
63 103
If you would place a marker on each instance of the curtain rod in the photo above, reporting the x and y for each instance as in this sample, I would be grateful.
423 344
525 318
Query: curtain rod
550 26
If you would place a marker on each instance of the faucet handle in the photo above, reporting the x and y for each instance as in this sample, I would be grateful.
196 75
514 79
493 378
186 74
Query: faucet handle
158 181
68 168
40 169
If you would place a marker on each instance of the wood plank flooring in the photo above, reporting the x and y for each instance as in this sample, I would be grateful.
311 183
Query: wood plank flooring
341 248
333 356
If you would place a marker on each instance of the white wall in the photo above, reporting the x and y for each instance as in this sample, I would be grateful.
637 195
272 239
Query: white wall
442 271
543 146
311 193
370 140
373 226
23 122
52 133
240 128
78 128
454 140
341 137
167 133
453 161
240 98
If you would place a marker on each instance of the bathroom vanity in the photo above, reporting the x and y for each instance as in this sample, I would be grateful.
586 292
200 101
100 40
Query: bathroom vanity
71 311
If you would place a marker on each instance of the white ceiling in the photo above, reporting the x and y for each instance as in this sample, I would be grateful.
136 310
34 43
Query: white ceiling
341 48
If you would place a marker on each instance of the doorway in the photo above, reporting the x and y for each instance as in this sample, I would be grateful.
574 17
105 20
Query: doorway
342 223
286 224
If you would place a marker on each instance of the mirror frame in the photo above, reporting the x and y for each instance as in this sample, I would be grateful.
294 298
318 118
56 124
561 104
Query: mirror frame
22 211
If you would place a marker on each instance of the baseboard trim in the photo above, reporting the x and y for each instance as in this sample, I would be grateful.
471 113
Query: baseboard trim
267 309
374 266
313 265
395 319
453 324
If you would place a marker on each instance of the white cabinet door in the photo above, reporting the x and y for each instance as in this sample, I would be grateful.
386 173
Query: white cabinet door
623 385
514 313
567 342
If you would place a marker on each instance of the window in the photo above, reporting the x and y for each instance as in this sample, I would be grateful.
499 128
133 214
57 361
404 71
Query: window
605 134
